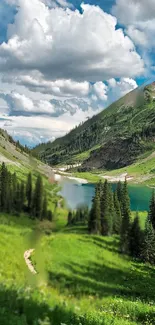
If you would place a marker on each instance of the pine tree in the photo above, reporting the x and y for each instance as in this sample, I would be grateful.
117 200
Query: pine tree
49 215
22 196
152 210
38 198
70 217
117 216
148 247
4 187
125 227
106 217
135 238
119 190
44 210
29 191
94 224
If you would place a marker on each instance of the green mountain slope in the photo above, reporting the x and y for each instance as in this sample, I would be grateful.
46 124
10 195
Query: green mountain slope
112 139
19 158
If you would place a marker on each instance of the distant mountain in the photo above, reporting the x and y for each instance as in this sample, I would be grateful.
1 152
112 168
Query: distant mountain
20 158
114 138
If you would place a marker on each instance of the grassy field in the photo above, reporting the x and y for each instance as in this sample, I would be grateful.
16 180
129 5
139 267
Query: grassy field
82 279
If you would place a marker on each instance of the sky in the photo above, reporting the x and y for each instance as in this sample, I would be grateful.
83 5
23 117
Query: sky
61 61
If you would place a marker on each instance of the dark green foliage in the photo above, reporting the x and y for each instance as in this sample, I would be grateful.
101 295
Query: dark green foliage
119 191
49 215
70 218
95 215
107 210
117 215
148 247
44 210
16 197
38 198
29 191
152 210
125 228
135 238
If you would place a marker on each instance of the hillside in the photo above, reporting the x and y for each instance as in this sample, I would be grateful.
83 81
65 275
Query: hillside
113 139
19 158
82 279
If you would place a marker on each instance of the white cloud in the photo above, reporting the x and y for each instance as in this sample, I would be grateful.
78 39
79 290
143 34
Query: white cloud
101 90
138 17
61 88
120 88
66 44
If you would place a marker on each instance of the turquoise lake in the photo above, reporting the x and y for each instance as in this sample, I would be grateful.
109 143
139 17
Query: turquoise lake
79 194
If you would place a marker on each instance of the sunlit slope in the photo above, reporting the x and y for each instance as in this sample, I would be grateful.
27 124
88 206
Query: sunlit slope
87 282
112 139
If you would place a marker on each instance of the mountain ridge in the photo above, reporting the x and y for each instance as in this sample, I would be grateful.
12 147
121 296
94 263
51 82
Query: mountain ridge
129 121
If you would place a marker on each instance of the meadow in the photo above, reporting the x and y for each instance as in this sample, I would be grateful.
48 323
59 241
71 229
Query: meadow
81 280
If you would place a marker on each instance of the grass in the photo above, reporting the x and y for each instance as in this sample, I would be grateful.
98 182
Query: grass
82 280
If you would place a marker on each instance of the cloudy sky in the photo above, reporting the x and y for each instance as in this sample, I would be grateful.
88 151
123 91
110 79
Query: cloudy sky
62 62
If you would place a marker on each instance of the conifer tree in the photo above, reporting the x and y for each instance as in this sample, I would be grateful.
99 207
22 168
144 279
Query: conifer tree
152 210
29 191
94 224
125 227
106 217
44 210
119 190
70 217
135 238
148 246
22 196
38 198
49 215
4 187
117 217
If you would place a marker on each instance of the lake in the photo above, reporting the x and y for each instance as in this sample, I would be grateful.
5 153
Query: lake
76 194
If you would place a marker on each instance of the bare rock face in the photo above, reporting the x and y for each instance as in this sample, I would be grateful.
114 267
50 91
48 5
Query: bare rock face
114 154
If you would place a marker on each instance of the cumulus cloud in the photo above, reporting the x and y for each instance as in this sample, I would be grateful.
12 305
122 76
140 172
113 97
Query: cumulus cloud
120 88
139 18
100 90
67 44
61 87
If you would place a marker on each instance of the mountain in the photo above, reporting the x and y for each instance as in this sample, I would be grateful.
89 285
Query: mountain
19 158
114 138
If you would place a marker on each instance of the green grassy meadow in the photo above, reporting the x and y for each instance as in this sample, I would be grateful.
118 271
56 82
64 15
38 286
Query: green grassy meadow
82 279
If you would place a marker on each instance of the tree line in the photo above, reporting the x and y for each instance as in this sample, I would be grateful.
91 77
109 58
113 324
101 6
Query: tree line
110 214
18 196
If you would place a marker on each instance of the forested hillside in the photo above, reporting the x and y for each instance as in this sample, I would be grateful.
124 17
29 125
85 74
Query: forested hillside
102 141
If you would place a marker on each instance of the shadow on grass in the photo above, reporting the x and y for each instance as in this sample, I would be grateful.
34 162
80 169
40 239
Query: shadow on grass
101 280
17 309
79 229
102 242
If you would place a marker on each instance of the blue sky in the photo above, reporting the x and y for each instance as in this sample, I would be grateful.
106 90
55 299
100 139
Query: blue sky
62 61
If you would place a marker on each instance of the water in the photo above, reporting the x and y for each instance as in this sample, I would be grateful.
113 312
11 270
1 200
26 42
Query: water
81 194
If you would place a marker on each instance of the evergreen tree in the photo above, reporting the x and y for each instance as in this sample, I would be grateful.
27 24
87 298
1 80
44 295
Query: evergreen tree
117 217
135 238
29 191
44 210
119 190
148 247
22 196
152 210
70 217
4 187
49 215
125 227
94 224
106 217
38 198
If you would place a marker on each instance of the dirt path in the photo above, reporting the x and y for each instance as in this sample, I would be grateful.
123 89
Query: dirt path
27 255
